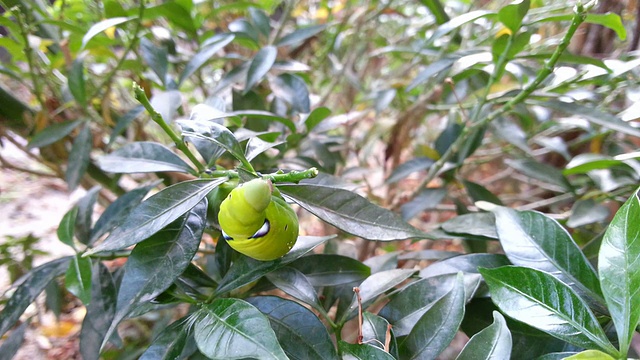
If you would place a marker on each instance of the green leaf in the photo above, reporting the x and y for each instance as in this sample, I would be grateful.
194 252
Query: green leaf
76 82
101 26
540 300
173 343
457 22
316 117
376 332
156 262
583 163
261 21
374 286
213 45
213 132
78 278
477 224
299 331
166 103
427 199
79 157
246 270
543 172
494 342
467 264
432 70
245 331
156 57
156 212
362 352
123 122
66 229
28 288
331 270
478 192
408 168
260 65
511 15
590 355
437 327
294 283
256 146
619 270
532 239
409 305
85 214
12 343
141 157
175 13
586 212
53 133
351 212
292 89
609 20
300 35
99 312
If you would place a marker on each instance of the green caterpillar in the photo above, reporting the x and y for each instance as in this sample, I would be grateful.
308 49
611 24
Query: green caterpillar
258 223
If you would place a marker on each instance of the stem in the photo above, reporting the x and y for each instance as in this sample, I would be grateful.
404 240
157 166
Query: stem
292 176
157 118
578 18
28 52
286 13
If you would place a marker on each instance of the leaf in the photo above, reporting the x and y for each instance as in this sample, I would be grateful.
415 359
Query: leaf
437 327
213 45
215 133
457 22
167 103
85 214
374 286
543 172
79 157
12 343
173 343
101 26
259 66
66 229
375 333
155 213
407 306
28 288
156 262
256 146
118 210
589 355
531 239
100 312
619 270
494 342
300 35
478 224
362 352
432 70
331 270
53 133
78 278
467 264
294 283
351 212
408 168
583 163
427 199
246 270
141 157
543 302
156 57
299 331
478 192
511 15
76 82
316 117
123 122
261 21
586 212
234 329
292 89
610 20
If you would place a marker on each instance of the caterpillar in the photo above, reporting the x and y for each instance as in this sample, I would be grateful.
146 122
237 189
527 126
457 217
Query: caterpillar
257 222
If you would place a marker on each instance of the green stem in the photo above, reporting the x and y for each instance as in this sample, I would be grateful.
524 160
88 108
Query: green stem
157 118
28 51
286 13
578 18
292 176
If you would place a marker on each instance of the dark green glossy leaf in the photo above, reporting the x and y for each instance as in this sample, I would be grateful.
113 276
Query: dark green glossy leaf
156 262
140 157
478 224
428 255
118 210
300 34
383 262
76 81
544 302
173 343
351 212
245 269
84 220
331 270
245 30
300 332
531 239
234 329
619 270
53 133
374 286
586 212
256 146
294 283
407 307
266 115
156 57
478 192
426 199
511 15
432 70
156 212
12 343
583 163
261 21
468 264
362 352
28 288
122 122
101 26
214 132
376 331
543 172
212 47
494 342
78 278
292 89
408 168
260 65
438 326
80 152
610 20
316 117
556 356
99 312
66 229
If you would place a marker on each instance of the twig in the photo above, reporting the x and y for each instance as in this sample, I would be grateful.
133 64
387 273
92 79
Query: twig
357 291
